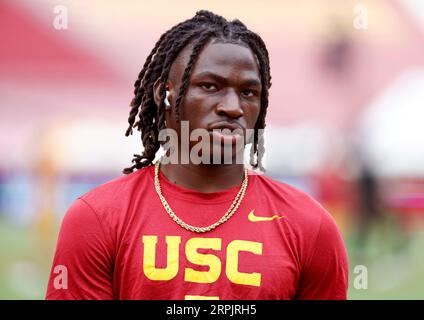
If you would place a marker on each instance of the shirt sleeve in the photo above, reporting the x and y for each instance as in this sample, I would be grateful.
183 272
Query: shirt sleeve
325 275
83 263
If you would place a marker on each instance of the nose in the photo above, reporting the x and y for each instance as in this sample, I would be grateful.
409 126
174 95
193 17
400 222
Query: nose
230 105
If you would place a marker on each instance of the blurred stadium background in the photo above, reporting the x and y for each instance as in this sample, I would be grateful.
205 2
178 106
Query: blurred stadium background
345 122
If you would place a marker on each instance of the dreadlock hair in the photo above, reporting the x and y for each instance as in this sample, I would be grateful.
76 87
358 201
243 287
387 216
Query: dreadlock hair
196 31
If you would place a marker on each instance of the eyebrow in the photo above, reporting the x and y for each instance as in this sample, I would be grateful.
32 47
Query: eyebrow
249 82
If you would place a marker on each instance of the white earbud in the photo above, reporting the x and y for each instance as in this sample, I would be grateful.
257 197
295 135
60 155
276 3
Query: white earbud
166 99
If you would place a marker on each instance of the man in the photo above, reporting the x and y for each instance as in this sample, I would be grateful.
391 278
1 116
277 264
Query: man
210 230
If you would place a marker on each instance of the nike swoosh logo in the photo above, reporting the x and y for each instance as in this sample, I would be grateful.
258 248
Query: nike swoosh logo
254 218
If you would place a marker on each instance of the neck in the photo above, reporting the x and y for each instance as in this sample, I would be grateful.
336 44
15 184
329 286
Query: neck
204 177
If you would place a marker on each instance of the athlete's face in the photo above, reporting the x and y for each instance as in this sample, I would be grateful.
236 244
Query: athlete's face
224 90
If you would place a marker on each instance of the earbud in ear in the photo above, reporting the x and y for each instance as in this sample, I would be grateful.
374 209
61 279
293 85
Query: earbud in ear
167 99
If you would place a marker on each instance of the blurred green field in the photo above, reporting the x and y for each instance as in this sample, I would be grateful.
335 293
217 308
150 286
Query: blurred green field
24 262
394 260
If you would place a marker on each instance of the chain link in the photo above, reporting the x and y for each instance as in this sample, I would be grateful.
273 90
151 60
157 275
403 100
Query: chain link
233 208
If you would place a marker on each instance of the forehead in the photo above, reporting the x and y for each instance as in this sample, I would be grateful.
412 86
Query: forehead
225 59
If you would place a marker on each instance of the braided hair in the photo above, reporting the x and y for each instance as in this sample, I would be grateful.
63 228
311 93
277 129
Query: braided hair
196 31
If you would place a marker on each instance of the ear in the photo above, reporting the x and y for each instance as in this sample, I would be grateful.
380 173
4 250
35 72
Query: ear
156 93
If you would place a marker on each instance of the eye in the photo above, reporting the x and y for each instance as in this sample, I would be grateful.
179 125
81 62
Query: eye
249 93
208 86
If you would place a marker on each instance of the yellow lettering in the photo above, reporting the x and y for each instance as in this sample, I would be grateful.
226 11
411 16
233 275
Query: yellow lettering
233 249
203 260
172 251
188 297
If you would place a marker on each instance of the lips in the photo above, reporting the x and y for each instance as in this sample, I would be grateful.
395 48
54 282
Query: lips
224 125
226 132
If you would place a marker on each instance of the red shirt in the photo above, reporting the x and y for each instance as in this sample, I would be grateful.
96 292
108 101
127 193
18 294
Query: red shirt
118 242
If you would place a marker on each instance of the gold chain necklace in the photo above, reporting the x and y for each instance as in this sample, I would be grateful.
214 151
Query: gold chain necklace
233 208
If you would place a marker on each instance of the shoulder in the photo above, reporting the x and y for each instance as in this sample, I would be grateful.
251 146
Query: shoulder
286 194
299 207
119 192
